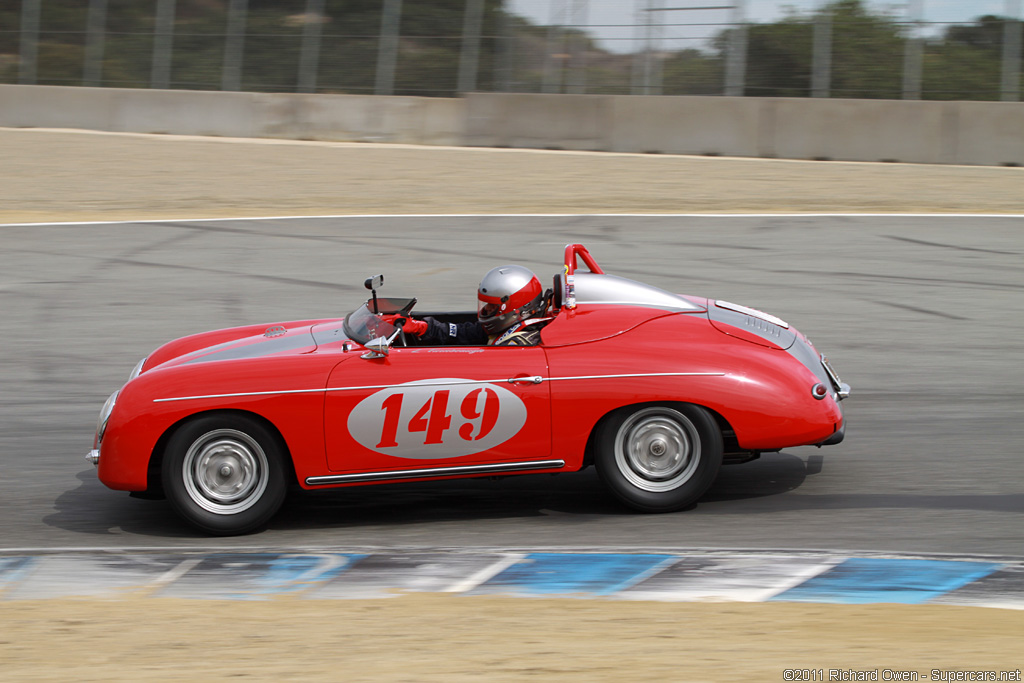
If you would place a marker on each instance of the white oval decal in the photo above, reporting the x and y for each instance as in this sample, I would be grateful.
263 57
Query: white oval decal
437 418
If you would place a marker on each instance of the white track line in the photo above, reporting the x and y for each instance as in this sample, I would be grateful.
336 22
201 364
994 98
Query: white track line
489 572
518 215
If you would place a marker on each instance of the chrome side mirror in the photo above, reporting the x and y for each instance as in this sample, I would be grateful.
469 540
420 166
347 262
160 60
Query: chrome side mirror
381 346
377 348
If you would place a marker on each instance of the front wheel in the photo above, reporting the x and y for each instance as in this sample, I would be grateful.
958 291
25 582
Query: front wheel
225 474
659 458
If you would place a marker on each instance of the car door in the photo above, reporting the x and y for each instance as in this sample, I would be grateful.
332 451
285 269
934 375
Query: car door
422 408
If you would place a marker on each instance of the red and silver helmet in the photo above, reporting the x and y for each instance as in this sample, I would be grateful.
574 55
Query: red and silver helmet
507 294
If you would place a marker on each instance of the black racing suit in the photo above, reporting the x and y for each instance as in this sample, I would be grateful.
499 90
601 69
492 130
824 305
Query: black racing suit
523 333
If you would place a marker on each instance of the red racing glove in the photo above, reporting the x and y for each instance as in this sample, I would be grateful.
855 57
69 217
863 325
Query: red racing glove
409 325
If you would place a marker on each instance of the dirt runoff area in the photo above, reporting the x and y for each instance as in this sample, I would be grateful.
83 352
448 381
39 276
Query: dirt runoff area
57 176
79 176
451 638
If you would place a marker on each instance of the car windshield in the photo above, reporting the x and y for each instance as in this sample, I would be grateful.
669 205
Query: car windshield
362 324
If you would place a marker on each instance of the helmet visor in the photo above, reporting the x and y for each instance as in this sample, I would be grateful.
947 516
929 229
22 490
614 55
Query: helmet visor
485 309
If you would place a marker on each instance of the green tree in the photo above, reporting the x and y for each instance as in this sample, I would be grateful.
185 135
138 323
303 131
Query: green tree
867 52
10 45
778 58
693 72
61 46
967 63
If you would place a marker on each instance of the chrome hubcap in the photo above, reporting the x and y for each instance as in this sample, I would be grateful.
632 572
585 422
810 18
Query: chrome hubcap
657 449
225 471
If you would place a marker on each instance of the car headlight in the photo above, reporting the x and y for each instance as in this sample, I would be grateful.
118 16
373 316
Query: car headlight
137 370
108 408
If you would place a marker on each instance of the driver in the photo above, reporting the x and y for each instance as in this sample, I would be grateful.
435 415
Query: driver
507 300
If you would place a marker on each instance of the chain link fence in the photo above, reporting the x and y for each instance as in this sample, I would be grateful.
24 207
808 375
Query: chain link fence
442 48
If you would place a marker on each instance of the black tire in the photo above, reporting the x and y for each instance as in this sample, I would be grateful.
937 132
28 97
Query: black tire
225 474
659 458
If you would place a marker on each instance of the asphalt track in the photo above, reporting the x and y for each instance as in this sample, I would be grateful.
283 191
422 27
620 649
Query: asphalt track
921 315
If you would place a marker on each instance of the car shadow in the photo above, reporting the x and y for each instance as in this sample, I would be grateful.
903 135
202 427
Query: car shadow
770 475
579 494
91 508
517 497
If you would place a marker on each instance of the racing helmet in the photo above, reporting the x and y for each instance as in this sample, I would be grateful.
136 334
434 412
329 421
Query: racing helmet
507 294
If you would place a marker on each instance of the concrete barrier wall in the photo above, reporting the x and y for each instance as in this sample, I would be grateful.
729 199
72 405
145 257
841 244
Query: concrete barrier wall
864 130
413 120
988 133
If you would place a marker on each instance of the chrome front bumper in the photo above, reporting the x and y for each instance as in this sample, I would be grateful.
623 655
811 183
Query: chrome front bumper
93 456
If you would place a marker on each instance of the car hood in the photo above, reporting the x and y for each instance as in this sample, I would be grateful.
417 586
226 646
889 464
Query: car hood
254 341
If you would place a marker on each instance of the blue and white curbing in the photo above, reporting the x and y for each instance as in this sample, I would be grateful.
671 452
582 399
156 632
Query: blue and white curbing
698 575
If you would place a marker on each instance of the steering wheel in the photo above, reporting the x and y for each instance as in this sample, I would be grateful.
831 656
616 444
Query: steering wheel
405 311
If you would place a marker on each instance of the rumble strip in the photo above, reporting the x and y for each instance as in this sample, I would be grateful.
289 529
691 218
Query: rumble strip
682 575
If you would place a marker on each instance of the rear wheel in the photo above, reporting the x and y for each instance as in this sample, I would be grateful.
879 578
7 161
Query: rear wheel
225 474
659 458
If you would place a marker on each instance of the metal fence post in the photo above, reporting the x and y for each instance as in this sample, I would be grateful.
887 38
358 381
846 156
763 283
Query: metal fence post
577 81
654 68
821 68
387 54
736 58
636 74
506 51
469 59
163 37
913 62
29 57
309 58
234 45
92 72
553 56
1010 87
647 72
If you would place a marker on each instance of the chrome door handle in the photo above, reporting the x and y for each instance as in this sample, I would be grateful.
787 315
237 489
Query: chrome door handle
536 379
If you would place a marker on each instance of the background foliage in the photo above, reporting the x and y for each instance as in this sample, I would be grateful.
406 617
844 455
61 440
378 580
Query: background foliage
964 62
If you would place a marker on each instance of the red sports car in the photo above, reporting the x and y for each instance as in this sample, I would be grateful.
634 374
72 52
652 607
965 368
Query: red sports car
655 389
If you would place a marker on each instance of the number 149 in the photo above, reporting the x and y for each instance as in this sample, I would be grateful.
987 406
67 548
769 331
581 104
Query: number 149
434 420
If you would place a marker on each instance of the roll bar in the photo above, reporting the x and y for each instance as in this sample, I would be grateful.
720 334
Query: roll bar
578 250
566 281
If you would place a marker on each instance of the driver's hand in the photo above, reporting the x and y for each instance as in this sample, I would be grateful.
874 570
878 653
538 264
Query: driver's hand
409 325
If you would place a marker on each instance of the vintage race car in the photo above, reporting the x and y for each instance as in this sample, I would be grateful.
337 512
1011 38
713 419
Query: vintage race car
655 389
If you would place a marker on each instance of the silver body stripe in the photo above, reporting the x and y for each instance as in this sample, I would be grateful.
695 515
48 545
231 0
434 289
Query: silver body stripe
439 383
639 374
